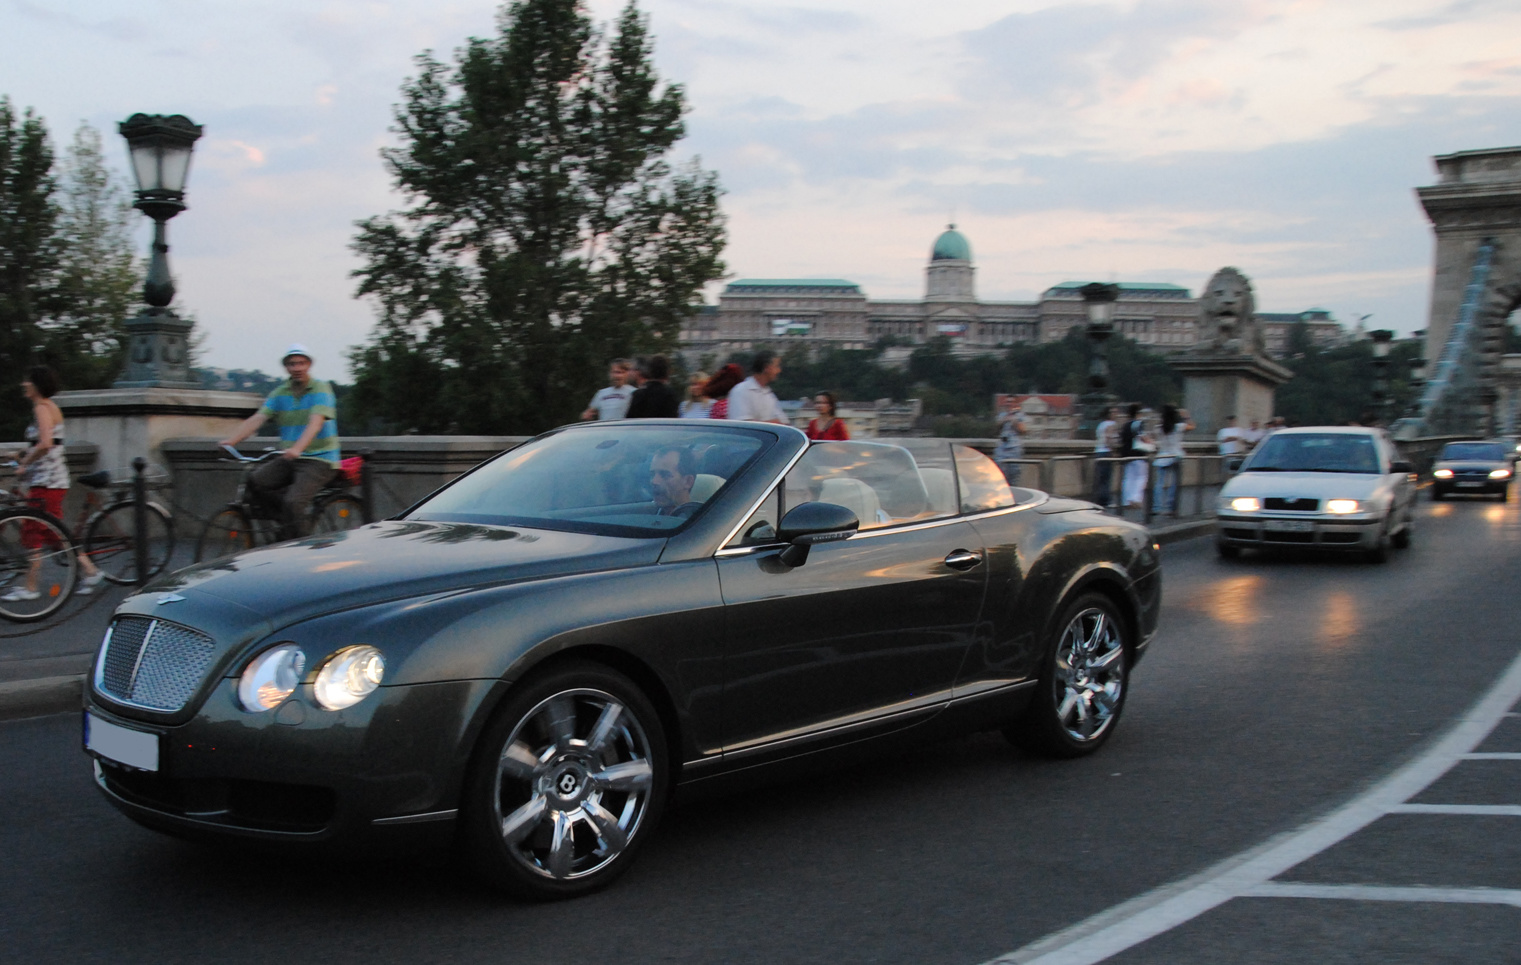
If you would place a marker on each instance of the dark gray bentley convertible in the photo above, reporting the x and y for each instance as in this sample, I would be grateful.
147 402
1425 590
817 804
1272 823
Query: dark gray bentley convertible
538 654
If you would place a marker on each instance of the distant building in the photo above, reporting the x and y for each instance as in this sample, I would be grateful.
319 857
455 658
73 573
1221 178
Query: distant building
1324 331
1046 416
832 312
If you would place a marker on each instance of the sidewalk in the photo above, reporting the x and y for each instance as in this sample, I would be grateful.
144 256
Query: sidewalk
43 666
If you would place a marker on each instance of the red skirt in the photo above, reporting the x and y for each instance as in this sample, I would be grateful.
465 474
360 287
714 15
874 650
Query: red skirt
35 536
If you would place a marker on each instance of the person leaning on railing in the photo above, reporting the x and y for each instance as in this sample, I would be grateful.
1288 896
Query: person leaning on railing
306 412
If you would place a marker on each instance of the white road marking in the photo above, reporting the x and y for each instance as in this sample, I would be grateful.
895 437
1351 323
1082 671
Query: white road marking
1464 896
1472 810
1493 756
1165 908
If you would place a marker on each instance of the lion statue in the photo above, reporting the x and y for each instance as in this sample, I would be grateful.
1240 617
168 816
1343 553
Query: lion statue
1228 317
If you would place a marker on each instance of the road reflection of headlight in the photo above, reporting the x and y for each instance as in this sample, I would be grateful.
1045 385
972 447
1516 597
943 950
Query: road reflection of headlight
1500 474
1246 504
348 677
271 677
1443 474
1341 506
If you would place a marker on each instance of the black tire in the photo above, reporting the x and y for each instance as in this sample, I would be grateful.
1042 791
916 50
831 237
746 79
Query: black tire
54 583
1401 540
1437 495
229 531
110 545
576 749
1227 551
1504 495
1077 703
337 513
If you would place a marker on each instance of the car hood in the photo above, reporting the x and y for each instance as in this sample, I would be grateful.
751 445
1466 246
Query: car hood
1322 485
1473 465
276 586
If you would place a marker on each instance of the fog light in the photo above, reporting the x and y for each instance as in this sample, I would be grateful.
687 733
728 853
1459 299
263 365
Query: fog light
1246 504
1499 474
1443 474
1341 506
271 677
348 677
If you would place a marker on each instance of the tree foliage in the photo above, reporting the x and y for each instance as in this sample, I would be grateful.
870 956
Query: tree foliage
68 274
546 231
1334 385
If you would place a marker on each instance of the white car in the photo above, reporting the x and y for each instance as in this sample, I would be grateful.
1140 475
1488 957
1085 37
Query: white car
1326 487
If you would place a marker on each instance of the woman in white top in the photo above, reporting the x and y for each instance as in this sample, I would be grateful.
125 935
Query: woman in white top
696 405
1169 461
46 475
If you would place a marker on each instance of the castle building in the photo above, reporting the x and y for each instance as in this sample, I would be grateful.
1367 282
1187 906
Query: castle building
780 313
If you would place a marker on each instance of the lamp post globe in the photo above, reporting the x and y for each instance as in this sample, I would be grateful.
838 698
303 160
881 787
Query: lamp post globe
1099 300
159 147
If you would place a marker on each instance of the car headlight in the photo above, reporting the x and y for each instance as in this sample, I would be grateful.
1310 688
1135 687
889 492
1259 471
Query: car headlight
1341 506
1443 474
271 677
1246 504
349 676
1499 474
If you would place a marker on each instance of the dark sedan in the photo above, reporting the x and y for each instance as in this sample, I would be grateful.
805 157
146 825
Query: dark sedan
1472 468
534 657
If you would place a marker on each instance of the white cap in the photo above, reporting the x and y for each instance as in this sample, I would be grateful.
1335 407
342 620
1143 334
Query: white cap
296 348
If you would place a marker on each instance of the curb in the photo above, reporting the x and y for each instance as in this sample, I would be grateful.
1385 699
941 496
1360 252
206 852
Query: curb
1181 531
45 695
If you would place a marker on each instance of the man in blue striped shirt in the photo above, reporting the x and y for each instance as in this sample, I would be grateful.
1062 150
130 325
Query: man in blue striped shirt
306 412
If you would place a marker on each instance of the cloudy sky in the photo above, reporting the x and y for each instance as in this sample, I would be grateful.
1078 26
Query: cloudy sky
1148 141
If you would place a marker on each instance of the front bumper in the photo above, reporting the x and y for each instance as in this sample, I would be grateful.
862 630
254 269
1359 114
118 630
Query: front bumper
299 773
1259 530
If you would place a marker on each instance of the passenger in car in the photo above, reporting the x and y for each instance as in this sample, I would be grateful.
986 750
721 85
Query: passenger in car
673 470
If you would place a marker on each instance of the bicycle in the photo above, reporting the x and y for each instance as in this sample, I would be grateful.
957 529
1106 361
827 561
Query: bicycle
246 522
108 543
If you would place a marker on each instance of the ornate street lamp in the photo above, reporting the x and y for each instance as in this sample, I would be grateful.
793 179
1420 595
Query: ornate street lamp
160 149
1381 339
1099 300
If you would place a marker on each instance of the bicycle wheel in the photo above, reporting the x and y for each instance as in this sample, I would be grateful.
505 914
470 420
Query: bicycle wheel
338 513
226 533
35 547
109 542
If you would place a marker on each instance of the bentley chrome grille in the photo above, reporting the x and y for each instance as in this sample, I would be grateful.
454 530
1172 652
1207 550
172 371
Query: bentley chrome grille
152 664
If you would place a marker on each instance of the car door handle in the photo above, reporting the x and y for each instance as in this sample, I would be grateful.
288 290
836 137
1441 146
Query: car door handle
963 559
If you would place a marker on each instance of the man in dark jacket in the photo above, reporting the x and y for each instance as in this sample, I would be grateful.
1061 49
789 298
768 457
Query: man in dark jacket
654 400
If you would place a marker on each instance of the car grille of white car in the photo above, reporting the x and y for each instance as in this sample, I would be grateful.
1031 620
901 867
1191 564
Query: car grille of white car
1302 504
152 664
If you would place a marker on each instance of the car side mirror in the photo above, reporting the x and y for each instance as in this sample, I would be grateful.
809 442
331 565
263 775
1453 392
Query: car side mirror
1400 465
811 523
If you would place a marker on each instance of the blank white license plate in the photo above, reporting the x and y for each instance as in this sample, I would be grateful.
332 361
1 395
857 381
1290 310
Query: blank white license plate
1290 525
1469 485
121 744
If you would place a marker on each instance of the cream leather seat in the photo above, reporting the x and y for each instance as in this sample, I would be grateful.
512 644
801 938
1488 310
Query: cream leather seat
705 486
855 496
940 486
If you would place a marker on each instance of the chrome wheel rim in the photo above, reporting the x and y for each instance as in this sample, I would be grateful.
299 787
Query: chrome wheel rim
1090 675
573 784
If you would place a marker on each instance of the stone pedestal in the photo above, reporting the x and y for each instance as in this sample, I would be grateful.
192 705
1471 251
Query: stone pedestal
1215 387
129 422
158 352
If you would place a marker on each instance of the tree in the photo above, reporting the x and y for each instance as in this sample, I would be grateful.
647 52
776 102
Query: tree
546 230
97 272
28 253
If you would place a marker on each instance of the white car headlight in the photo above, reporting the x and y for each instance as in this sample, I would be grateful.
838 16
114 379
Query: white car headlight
1443 474
1341 506
1246 504
1499 474
271 677
349 676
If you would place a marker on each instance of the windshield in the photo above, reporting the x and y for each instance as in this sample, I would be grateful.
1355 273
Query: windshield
1482 451
1315 452
618 480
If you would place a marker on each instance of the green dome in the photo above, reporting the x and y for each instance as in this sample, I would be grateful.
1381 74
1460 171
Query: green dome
951 246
